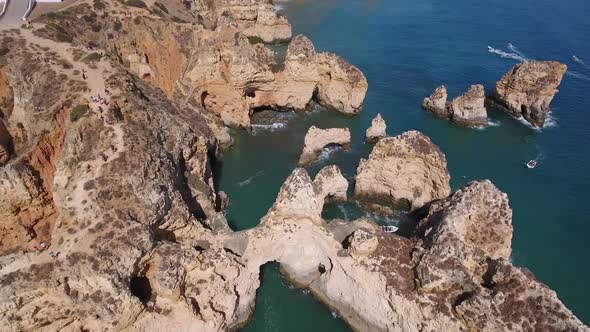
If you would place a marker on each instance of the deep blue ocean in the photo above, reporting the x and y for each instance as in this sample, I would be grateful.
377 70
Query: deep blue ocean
406 49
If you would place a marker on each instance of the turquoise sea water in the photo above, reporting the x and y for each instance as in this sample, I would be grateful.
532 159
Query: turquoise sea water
406 49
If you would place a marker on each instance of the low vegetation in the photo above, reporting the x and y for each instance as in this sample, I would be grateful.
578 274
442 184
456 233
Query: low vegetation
136 3
78 112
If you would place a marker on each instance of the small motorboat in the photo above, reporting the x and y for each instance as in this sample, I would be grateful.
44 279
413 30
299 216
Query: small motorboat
531 164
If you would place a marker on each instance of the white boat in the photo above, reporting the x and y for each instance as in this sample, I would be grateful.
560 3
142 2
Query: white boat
531 164
389 229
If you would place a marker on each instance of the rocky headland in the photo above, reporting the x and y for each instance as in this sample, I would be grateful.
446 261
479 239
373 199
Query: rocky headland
109 216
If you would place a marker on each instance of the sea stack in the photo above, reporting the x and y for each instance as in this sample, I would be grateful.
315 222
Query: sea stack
466 110
316 139
403 172
469 109
377 129
528 89
437 102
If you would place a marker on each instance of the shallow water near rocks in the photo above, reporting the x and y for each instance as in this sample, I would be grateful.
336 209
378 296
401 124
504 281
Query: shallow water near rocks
406 49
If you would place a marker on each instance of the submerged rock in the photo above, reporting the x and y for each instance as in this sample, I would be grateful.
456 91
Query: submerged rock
528 88
317 139
402 172
377 129
469 109
437 102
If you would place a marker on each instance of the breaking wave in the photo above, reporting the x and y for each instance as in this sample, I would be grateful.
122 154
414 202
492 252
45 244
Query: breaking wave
278 5
258 128
327 152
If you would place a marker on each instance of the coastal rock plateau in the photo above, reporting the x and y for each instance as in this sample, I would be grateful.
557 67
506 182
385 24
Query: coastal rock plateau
451 274
216 66
317 139
402 172
377 129
527 89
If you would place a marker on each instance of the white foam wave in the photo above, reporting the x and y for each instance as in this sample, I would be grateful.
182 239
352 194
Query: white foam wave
506 55
328 152
256 128
344 212
550 122
334 315
382 219
278 6
493 123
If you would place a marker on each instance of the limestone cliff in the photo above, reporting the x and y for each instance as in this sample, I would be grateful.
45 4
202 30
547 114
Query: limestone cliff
215 65
109 218
402 172
528 88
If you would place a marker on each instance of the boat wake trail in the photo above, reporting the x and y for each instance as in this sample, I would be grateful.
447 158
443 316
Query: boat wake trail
249 180
580 62
577 75
513 53
516 50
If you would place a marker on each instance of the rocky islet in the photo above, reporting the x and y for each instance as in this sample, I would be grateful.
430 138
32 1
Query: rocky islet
525 91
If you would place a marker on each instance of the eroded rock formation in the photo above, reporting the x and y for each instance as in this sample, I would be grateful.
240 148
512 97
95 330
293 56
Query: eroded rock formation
216 66
134 238
528 88
466 110
255 18
469 109
453 274
402 172
317 139
377 129
437 102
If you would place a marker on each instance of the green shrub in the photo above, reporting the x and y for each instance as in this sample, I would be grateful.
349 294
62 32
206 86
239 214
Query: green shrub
92 57
63 38
118 26
136 3
255 40
78 112
99 5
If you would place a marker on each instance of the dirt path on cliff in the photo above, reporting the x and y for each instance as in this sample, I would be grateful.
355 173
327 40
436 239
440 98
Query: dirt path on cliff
77 202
